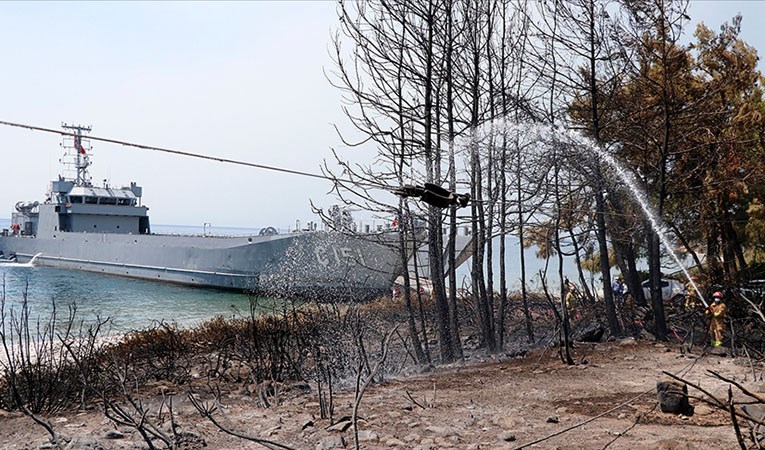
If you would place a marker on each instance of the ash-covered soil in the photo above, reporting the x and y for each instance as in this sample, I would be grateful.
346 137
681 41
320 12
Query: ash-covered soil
487 402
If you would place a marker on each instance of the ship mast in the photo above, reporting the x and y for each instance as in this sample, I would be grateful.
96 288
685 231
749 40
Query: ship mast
76 151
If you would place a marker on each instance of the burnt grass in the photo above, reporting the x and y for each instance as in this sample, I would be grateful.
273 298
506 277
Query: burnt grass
68 364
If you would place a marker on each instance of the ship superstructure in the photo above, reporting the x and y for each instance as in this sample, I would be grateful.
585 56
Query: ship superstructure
75 205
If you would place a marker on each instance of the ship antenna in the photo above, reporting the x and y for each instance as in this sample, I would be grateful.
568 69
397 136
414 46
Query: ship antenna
77 151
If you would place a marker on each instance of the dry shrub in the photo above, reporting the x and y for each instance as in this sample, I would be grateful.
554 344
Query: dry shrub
38 373
271 348
161 352
300 343
319 342
217 332
48 387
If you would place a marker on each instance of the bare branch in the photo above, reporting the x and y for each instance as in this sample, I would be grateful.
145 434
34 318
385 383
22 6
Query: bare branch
207 411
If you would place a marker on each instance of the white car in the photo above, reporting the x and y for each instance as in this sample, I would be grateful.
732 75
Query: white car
426 286
670 289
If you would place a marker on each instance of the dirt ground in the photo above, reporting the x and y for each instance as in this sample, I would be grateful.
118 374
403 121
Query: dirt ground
487 403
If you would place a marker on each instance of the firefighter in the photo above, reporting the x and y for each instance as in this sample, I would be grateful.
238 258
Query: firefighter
571 296
691 293
716 313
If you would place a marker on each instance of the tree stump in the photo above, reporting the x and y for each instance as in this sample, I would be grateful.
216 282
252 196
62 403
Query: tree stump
673 397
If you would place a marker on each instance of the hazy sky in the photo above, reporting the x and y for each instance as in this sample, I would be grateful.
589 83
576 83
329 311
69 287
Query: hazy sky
238 80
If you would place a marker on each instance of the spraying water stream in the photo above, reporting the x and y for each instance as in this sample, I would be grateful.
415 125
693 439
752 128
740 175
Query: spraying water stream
548 135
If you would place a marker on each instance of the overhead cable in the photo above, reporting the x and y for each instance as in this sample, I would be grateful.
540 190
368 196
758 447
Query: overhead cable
176 152
458 199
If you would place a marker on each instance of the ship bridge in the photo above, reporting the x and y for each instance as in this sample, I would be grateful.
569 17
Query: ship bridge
101 196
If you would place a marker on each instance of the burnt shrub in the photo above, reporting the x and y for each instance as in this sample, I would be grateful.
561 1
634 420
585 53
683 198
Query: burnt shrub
161 352
38 369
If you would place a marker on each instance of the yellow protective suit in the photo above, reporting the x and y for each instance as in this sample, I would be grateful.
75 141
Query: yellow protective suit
716 311
691 296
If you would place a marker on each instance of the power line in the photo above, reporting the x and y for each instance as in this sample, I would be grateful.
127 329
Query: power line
242 163
180 152
431 194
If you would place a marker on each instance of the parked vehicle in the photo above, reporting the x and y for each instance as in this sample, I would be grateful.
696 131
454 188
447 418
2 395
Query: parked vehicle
670 289
426 286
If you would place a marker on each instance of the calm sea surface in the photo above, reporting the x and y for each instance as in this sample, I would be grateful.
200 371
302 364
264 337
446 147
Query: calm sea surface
134 304
130 304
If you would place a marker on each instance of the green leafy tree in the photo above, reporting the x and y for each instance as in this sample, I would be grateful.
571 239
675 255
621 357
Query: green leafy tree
722 169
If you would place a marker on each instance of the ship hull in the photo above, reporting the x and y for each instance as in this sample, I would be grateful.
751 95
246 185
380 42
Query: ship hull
323 265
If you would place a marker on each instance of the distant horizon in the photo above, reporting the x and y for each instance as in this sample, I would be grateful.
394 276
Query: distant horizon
7 220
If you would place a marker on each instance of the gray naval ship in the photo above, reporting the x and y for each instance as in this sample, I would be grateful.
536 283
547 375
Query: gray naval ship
107 230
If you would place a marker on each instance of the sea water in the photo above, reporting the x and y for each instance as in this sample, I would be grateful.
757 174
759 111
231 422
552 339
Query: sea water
132 304
129 303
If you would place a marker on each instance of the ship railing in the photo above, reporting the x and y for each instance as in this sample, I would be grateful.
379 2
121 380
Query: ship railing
223 234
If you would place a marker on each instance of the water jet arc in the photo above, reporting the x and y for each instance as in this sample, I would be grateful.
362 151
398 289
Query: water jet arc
546 133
